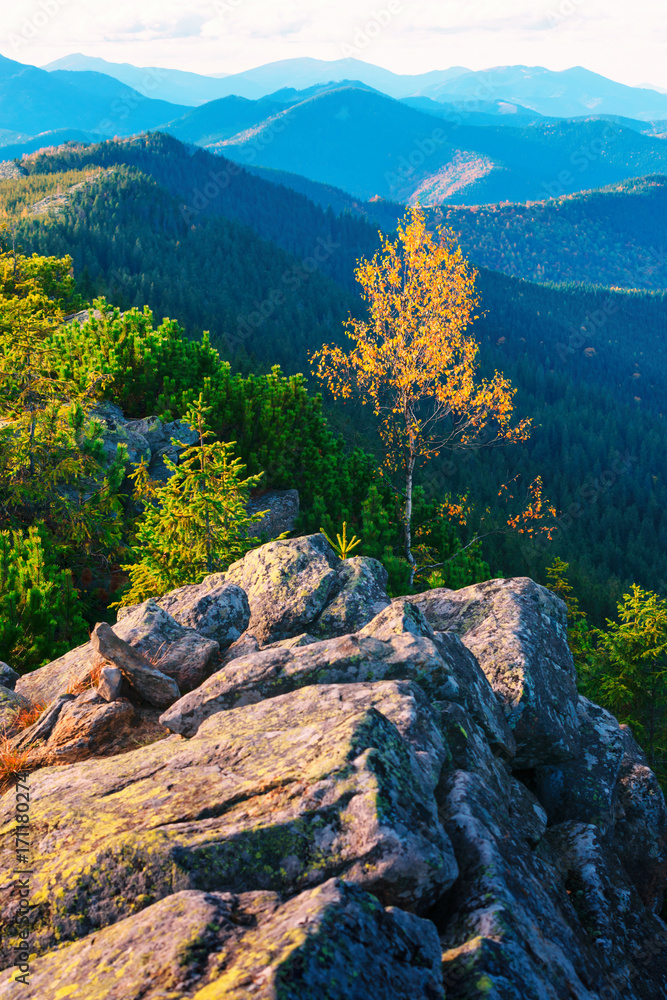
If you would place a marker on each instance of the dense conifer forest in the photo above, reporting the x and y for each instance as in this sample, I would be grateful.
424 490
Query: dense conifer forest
270 276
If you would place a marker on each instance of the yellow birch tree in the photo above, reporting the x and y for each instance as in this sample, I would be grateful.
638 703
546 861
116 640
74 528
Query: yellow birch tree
413 360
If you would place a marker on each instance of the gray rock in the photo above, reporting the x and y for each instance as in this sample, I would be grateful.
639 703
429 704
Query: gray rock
476 694
513 920
245 646
42 728
640 825
8 677
10 704
300 585
275 671
470 749
517 631
214 608
179 652
116 431
288 584
110 684
398 617
585 790
298 640
150 684
278 796
350 948
630 940
362 595
611 786
283 511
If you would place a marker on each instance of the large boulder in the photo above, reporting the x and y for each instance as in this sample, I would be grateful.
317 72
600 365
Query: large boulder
213 945
347 660
585 789
362 595
214 608
282 511
300 585
517 920
610 786
179 652
288 584
276 796
640 824
517 631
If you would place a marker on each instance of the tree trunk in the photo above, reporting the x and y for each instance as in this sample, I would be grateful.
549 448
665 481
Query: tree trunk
651 749
408 518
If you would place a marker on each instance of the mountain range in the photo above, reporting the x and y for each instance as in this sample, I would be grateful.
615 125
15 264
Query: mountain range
561 94
350 135
371 145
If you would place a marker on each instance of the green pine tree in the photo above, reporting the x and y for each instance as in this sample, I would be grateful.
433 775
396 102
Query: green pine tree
40 613
194 524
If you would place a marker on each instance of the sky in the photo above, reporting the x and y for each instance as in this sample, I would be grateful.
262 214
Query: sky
622 40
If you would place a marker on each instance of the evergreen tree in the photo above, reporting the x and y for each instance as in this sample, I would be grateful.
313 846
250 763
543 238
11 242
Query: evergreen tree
40 613
628 674
194 524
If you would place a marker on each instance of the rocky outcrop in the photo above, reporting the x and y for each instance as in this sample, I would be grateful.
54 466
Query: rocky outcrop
517 631
300 585
418 807
279 796
282 511
276 671
212 945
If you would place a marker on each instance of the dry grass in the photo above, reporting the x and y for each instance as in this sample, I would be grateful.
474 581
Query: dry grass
27 716
78 685
12 763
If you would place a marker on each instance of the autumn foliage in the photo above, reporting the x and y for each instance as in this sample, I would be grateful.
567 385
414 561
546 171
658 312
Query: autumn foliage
413 359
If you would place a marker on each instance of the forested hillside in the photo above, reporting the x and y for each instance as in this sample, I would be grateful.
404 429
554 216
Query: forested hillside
611 236
589 364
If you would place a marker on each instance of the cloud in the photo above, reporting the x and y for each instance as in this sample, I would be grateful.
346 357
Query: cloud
620 40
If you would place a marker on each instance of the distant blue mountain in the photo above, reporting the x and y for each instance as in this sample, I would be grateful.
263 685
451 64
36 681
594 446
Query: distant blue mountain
34 101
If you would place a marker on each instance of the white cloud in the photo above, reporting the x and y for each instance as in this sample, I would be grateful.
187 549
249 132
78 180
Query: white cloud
624 41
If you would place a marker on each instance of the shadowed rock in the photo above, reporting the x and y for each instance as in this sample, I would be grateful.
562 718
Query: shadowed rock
349 948
517 631
150 684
